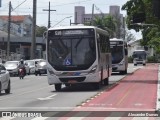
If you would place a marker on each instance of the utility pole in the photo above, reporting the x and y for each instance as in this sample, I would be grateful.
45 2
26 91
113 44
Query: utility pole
49 10
33 43
92 14
9 24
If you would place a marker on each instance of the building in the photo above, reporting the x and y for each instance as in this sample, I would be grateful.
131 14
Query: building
20 37
82 18
21 25
135 45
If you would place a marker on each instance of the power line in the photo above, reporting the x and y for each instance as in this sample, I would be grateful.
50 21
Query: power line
49 10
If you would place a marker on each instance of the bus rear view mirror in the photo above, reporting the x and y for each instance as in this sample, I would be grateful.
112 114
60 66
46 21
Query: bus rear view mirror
45 35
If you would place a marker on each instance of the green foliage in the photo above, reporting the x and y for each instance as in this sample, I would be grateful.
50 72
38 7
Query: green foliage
151 59
40 31
151 26
130 59
107 23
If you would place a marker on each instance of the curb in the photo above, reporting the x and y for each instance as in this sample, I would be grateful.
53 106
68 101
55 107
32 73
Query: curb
158 91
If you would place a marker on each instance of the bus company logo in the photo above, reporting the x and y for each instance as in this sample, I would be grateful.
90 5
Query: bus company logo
6 114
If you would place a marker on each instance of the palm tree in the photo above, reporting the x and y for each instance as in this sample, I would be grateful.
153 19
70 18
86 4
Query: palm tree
107 23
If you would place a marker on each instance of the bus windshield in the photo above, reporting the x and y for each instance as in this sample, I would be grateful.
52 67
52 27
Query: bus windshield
71 52
139 54
117 51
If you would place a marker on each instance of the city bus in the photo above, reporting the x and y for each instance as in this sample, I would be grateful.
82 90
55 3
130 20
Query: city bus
119 53
139 57
78 54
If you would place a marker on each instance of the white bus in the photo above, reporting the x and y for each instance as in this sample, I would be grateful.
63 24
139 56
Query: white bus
78 54
139 57
119 53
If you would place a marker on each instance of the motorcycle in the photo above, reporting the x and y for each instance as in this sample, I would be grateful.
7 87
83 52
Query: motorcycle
21 73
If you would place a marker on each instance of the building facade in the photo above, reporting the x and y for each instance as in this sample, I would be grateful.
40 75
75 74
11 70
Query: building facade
20 38
21 25
135 45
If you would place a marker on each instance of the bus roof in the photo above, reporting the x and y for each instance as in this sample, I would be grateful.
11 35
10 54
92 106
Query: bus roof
77 27
138 50
116 39
71 27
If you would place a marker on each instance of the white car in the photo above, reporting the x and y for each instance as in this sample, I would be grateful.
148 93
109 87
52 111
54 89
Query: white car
31 65
12 67
5 83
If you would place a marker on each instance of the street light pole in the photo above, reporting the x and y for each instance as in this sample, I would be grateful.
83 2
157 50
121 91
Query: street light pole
33 43
9 24
62 20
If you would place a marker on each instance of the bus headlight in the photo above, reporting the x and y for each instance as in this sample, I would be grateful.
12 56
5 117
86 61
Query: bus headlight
122 62
50 71
93 69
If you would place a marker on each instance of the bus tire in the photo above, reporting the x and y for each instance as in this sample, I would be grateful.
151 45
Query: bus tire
106 81
8 90
57 87
0 87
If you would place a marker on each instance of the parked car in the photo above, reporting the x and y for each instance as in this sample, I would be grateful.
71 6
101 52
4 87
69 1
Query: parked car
41 68
12 67
27 69
5 83
31 65
36 65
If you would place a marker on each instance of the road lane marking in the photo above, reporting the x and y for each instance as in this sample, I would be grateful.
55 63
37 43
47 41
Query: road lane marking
25 93
47 98
125 95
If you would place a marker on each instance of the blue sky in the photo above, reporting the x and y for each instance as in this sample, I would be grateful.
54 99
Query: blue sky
64 8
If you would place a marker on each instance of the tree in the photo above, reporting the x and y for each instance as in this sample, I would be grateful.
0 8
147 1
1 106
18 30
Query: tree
129 36
40 30
107 23
149 27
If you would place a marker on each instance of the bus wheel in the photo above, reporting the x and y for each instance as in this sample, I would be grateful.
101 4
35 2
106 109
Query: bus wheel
58 87
106 81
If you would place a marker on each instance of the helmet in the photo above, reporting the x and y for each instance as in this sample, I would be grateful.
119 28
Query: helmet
21 61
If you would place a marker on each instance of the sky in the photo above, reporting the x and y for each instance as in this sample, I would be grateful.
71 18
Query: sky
64 9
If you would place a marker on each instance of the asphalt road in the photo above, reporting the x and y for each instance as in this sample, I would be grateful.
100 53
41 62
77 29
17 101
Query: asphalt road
34 93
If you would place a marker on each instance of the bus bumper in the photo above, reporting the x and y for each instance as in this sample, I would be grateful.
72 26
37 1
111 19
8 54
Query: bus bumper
89 78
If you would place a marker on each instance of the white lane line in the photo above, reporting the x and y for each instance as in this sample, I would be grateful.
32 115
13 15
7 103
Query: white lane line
25 93
47 98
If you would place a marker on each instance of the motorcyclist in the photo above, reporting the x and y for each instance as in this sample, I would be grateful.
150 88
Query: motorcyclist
22 66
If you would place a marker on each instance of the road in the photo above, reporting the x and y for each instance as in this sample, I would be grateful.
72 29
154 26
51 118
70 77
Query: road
34 93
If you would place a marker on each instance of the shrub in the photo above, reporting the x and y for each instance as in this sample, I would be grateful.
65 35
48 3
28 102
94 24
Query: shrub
151 59
130 59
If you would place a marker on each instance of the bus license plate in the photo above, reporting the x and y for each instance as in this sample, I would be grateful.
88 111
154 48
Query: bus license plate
72 81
